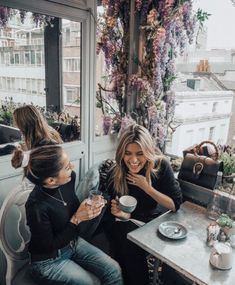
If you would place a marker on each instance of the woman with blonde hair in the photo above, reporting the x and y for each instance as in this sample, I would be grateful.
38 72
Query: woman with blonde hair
34 127
147 176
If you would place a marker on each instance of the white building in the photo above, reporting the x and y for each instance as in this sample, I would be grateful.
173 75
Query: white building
221 64
202 112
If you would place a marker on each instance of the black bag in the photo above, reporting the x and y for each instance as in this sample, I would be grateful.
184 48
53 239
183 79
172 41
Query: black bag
200 170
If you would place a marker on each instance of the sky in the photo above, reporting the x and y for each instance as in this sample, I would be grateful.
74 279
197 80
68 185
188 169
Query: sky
221 23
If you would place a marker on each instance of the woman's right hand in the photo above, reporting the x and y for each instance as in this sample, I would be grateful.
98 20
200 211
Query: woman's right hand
86 212
115 210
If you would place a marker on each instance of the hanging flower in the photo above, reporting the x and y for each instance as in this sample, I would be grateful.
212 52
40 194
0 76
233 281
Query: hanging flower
7 13
166 26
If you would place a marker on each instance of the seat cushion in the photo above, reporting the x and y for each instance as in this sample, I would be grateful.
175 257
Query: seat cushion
23 277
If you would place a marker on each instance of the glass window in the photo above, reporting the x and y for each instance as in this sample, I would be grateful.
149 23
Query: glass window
26 83
71 69
16 58
211 133
27 58
26 52
214 107
214 49
32 57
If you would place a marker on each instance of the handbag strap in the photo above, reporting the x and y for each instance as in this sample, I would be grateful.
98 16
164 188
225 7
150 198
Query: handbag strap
216 154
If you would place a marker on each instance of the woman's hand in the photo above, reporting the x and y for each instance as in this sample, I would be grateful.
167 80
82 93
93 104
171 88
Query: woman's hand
117 212
138 180
86 212
141 182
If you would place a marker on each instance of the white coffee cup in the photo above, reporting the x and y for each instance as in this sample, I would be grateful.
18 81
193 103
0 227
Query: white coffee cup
127 203
221 256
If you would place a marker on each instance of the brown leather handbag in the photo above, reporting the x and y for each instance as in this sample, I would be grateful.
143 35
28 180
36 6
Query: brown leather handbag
199 169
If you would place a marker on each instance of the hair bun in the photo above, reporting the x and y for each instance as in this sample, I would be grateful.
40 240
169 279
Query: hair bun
17 158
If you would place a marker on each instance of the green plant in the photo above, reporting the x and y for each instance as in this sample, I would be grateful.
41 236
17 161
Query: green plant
6 112
229 163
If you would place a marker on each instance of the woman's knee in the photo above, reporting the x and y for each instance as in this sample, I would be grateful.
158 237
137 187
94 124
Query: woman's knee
114 271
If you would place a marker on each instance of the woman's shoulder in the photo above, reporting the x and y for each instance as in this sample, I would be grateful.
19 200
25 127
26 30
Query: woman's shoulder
35 199
161 162
106 168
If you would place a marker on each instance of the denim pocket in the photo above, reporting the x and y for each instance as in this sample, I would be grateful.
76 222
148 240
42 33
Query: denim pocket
43 267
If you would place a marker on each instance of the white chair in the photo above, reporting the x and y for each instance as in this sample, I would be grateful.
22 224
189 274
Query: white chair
14 236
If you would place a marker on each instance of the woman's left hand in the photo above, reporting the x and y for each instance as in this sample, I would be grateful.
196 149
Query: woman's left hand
138 180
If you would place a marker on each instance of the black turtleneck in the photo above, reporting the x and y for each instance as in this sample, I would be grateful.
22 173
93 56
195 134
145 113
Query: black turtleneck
146 209
48 218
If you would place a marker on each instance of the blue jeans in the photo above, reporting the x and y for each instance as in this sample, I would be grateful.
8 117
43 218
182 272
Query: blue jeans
80 264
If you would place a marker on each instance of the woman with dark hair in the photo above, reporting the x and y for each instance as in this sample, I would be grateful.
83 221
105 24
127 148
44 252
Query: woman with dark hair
34 127
141 173
54 216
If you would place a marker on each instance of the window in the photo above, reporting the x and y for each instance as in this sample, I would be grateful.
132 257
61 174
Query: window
32 57
211 133
213 114
27 58
16 58
71 64
39 57
201 134
72 95
214 107
38 78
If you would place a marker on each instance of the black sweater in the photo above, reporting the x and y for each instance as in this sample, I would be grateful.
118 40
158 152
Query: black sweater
49 220
163 182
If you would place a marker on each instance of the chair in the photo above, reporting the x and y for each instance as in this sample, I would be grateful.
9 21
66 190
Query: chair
14 235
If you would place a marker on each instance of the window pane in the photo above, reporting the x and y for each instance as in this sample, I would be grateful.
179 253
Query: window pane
19 77
205 82
19 81
71 38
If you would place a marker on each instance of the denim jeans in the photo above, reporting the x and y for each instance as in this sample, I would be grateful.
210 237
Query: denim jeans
80 264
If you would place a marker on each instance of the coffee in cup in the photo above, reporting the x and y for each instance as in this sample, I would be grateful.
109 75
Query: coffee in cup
127 203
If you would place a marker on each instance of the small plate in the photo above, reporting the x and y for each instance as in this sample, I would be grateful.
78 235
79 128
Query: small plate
172 230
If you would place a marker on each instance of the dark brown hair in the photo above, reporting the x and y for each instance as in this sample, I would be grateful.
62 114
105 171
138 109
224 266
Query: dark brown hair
34 127
44 162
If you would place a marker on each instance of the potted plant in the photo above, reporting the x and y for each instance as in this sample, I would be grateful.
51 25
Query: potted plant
229 166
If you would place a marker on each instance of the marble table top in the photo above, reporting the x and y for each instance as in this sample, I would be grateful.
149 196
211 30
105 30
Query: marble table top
189 256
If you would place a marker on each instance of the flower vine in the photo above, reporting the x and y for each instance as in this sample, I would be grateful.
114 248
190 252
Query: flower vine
6 14
165 27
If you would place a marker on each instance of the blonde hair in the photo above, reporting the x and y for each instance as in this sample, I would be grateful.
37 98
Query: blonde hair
139 135
34 127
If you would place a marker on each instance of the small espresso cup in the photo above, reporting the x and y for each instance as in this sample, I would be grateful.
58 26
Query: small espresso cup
127 203
95 197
